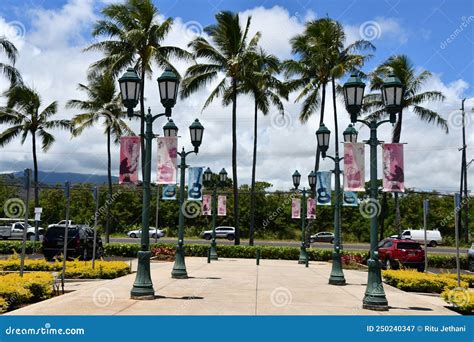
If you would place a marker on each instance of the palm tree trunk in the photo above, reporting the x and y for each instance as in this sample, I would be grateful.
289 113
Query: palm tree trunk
109 197
35 179
254 166
234 162
396 139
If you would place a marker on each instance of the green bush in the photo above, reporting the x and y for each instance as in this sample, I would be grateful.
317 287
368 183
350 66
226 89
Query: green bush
411 280
10 247
32 287
447 261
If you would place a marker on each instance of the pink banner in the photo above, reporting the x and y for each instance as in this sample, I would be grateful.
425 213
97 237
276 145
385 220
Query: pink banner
295 208
393 170
354 167
311 209
221 205
206 205
129 159
166 158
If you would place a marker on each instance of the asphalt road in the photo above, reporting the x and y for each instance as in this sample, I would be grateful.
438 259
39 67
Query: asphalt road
347 246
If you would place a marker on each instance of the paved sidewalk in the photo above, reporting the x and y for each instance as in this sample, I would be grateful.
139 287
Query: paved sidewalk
235 287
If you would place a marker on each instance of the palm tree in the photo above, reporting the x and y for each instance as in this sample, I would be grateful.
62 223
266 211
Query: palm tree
225 54
402 67
103 104
23 114
260 80
134 38
12 53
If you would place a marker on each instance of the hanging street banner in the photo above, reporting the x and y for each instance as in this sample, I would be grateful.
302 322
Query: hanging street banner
354 166
129 160
221 205
311 209
323 188
206 205
195 183
393 173
166 158
168 192
350 199
295 208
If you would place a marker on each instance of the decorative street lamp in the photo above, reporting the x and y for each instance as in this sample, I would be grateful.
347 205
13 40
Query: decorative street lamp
130 91
392 94
196 131
208 182
312 183
337 275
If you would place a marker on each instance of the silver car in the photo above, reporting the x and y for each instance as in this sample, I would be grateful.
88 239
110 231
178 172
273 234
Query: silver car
221 232
153 232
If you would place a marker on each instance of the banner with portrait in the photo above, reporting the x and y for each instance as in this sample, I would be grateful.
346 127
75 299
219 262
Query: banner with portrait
206 205
350 199
295 208
323 188
166 159
195 183
221 205
393 170
354 167
168 192
129 160
311 209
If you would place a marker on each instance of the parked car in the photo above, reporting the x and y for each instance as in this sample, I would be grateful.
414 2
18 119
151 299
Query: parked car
80 242
153 232
322 237
62 223
433 237
470 255
221 232
15 230
395 252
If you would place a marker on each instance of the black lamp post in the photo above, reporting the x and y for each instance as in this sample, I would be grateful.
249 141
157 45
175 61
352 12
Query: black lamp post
392 94
208 182
296 183
130 92
196 131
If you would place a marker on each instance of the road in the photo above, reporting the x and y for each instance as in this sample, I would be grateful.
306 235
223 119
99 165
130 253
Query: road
347 246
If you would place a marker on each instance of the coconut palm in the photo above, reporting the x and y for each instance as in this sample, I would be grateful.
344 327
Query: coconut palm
412 99
133 37
22 114
103 104
261 82
9 71
224 55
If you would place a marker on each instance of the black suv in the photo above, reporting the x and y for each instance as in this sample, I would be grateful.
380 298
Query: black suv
80 242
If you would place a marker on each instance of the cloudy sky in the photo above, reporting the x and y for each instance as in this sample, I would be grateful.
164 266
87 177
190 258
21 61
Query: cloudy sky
436 35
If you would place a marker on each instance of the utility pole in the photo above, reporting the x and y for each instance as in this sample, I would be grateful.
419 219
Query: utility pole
463 222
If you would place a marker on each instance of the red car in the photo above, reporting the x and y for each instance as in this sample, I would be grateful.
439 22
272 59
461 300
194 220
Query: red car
396 252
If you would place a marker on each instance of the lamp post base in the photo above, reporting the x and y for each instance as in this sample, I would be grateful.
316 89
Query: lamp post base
179 268
303 256
337 275
214 251
374 298
143 286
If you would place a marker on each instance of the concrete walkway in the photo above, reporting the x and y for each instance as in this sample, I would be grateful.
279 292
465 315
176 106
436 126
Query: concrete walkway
235 287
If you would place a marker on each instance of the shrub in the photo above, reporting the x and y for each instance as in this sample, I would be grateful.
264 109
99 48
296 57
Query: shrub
461 299
468 278
447 261
411 280
163 253
32 287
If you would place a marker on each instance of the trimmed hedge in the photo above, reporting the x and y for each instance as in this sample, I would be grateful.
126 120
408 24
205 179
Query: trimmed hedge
461 299
411 280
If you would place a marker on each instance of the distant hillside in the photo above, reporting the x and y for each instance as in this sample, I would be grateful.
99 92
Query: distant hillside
53 178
